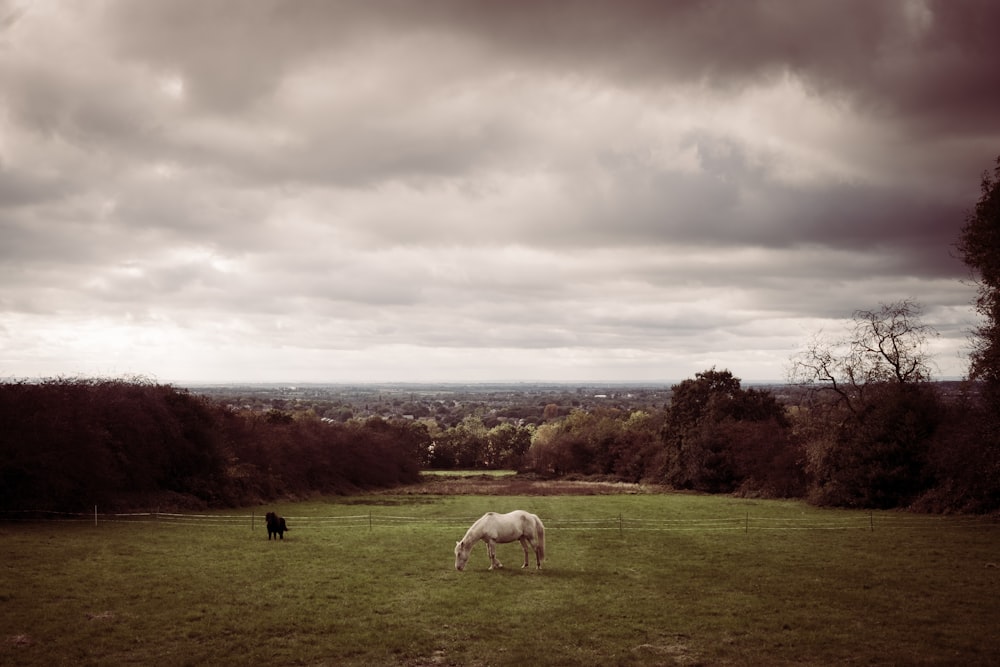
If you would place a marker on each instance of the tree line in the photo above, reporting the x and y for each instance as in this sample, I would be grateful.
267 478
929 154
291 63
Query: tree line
69 444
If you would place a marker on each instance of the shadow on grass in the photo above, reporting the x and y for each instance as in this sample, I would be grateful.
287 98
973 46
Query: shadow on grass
548 573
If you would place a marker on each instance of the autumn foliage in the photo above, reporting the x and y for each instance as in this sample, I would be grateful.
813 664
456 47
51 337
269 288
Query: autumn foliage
70 444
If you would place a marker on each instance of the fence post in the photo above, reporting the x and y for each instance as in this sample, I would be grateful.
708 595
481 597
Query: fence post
251 520
871 520
621 525
369 521
747 525
95 516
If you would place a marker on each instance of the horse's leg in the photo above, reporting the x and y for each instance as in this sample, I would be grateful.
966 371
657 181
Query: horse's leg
525 541
491 549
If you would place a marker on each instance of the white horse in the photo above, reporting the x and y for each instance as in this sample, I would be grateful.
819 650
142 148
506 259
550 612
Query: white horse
493 528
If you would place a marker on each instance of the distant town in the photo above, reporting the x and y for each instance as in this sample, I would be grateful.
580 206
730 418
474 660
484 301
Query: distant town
448 404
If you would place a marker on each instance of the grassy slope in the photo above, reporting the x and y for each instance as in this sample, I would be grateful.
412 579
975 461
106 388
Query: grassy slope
916 590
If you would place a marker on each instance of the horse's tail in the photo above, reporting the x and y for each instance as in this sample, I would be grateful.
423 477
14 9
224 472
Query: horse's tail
540 532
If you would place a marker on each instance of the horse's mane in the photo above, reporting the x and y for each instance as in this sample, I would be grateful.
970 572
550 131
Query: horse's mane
471 535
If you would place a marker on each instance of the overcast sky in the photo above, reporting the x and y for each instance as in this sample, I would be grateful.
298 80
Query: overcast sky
201 191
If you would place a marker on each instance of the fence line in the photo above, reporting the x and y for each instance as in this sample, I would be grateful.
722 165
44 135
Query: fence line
745 522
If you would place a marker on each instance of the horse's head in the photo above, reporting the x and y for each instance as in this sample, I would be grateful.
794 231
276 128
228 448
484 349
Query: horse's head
461 555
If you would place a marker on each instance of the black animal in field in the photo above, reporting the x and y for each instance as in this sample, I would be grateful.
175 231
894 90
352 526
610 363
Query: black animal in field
276 525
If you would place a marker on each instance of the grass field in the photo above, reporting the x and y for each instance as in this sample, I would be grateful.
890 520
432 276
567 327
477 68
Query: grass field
629 580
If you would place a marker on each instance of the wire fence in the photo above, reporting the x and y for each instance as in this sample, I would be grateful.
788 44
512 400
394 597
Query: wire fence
745 522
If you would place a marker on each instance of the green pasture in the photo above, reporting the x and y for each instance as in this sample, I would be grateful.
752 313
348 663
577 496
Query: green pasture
629 580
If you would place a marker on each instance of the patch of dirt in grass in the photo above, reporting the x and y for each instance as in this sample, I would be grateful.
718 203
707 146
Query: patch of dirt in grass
440 658
678 652
436 658
101 615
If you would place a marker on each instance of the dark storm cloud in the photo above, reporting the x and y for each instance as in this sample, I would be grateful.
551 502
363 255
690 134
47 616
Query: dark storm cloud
926 61
932 62
929 65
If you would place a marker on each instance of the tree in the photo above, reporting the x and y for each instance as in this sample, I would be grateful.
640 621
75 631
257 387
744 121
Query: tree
967 462
713 434
461 446
980 248
868 446
506 445
547 454
883 346
636 449
691 399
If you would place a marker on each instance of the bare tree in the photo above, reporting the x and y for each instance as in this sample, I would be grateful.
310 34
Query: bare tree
883 346
869 447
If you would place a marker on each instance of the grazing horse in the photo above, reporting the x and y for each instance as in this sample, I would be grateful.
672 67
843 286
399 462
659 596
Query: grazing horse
493 528
276 525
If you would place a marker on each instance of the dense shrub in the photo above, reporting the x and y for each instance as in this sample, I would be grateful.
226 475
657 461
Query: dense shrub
876 454
964 460
69 444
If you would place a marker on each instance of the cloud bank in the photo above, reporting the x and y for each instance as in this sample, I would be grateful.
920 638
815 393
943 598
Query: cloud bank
473 191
